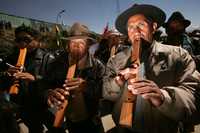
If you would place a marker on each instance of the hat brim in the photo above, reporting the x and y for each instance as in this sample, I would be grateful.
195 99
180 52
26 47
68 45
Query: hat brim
149 11
79 37
185 21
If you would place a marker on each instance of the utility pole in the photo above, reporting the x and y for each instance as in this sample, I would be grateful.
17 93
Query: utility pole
118 6
59 15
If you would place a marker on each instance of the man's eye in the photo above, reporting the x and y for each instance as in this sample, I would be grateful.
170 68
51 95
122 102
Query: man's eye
131 27
141 25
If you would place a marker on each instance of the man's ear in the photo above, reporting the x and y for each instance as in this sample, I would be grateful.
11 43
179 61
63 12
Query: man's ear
155 25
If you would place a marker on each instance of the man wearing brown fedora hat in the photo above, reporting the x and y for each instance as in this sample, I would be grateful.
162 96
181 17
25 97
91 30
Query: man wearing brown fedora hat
166 76
84 88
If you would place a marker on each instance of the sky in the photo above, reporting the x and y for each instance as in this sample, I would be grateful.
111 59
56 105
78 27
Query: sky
93 13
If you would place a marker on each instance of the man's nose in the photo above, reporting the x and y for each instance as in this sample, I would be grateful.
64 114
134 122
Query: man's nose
76 45
137 30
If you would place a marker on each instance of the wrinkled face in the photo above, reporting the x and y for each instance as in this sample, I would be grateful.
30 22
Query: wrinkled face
175 27
78 48
139 26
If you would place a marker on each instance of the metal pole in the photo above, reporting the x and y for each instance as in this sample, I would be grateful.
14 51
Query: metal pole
59 15
118 6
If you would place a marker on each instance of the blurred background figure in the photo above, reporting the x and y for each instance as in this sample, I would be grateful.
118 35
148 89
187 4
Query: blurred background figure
176 32
111 43
29 77
175 28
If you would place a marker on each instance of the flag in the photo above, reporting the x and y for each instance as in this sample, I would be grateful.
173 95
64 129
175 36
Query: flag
106 29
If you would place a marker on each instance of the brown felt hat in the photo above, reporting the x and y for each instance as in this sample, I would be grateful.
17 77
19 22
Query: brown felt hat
79 31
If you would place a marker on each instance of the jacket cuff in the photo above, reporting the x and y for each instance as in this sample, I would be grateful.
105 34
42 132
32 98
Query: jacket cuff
164 107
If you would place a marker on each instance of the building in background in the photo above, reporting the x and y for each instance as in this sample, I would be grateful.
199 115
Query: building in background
16 21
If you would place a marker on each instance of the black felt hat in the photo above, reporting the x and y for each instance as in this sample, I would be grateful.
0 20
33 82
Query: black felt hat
179 17
152 12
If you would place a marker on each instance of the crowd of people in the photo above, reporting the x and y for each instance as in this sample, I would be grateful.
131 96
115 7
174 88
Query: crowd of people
156 82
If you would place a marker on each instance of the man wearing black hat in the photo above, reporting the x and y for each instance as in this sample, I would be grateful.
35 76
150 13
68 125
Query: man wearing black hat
176 35
167 76
84 88
175 29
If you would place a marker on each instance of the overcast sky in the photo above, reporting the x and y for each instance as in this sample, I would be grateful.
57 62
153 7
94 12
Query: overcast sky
93 13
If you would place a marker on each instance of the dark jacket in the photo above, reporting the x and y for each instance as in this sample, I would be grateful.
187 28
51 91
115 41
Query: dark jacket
28 98
93 74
